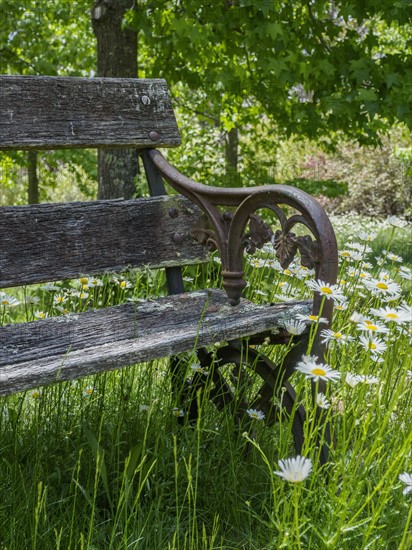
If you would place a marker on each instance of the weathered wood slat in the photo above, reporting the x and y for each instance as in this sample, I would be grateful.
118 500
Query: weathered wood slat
62 112
65 348
49 242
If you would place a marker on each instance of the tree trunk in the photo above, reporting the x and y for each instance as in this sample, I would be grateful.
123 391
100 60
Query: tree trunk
116 57
232 157
33 180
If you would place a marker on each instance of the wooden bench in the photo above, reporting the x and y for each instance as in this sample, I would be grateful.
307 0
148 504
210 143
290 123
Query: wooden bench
51 242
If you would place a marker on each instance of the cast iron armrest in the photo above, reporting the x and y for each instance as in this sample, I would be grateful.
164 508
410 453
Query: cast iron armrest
226 230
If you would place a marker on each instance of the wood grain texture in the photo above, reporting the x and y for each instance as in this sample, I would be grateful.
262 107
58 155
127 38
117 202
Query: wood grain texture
62 112
48 242
64 348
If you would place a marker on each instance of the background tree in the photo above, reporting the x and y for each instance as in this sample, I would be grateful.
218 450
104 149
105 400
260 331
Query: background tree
49 38
116 57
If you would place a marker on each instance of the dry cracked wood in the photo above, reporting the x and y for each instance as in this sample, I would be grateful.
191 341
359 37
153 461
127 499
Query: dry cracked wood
48 242
43 112
64 348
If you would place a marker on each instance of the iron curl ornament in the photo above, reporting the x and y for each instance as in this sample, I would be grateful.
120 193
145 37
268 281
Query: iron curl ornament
226 230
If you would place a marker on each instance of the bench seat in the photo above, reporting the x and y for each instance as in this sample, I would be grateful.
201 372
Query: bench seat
68 347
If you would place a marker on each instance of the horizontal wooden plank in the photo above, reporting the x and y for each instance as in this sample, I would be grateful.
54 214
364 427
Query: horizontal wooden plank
64 348
62 112
49 242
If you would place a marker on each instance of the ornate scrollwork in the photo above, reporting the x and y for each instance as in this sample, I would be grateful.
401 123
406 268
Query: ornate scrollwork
287 244
202 232
238 228
259 234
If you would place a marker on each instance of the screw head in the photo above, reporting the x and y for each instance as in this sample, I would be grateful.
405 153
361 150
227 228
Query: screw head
154 136
145 100
178 238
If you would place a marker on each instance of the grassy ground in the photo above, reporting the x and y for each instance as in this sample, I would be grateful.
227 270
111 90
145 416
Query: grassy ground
102 463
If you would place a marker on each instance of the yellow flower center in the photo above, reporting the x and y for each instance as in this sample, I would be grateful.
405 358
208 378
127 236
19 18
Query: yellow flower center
318 372
392 316
382 286
372 345
89 391
337 335
371 326
326 290
346 254
287 272
123 284
84 280
313 317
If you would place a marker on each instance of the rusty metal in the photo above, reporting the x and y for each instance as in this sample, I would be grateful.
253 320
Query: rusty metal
154 136
226 230
173 212
240 378
230 225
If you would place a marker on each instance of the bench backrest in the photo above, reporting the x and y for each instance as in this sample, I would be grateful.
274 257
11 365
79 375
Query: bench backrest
49 242
44 112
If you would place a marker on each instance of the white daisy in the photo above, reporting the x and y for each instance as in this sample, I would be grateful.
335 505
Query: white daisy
394 257
394 221
178 412
390 314
373 344
352 379
8 301
368 237
40 315
312 318
368 379
405 272
294 470
257 262
332 336
331 292
95 282
295 327
316 371
356 317
359 247
255 414
407 479
32 300
370 327
321 401
382 287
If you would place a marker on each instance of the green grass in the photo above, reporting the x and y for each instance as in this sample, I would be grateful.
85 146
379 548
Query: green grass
102 463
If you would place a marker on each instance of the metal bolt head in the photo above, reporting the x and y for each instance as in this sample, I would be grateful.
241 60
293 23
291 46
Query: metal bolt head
177 238
154 136
145 100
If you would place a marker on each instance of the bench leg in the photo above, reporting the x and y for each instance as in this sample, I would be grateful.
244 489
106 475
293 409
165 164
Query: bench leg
239 378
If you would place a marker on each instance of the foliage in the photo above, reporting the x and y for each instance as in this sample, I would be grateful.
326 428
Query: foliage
328 188
314 68
25 30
